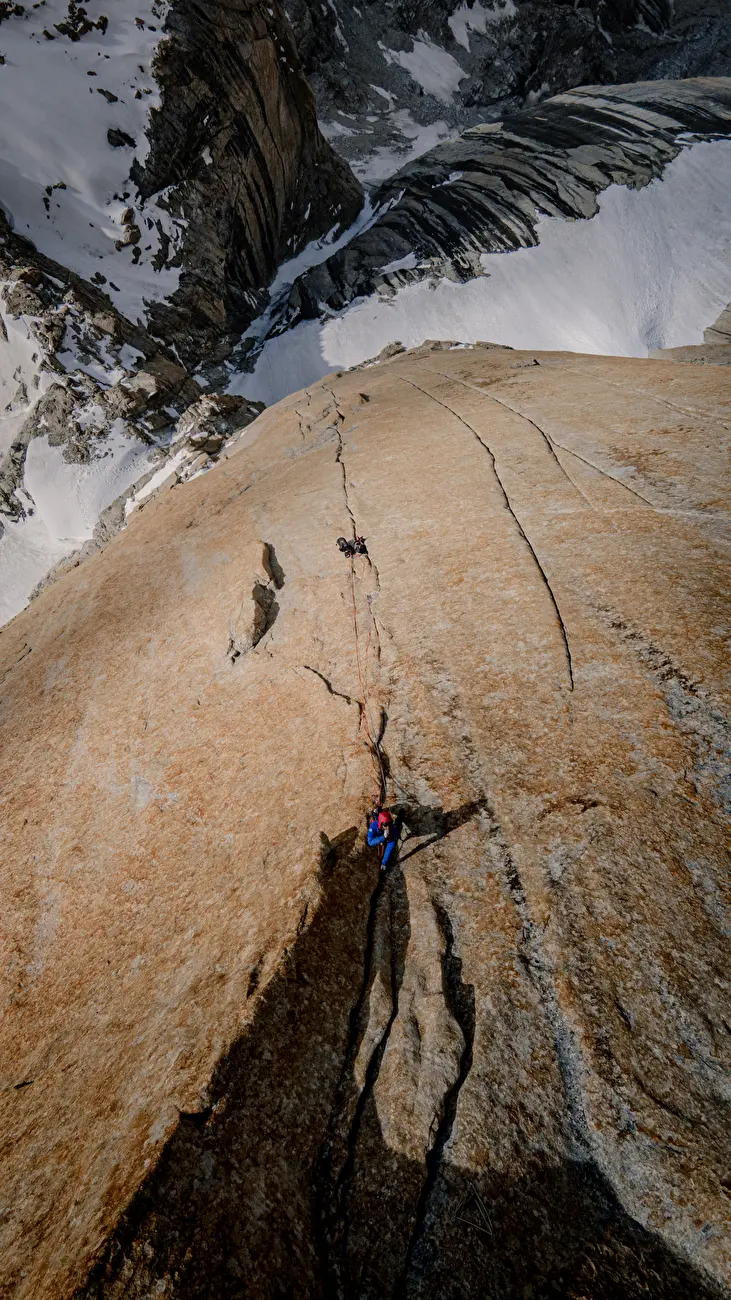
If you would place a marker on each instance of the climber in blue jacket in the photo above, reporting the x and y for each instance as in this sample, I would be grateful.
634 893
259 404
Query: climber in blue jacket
383 834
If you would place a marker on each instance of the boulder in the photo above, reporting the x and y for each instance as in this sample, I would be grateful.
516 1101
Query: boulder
207 423
237 1059
155 385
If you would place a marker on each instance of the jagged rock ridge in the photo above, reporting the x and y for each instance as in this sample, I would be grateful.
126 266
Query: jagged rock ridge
508 1059
389 77
483 193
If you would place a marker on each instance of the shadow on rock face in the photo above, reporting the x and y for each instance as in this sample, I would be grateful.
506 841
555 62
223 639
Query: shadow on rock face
285 1186
434 824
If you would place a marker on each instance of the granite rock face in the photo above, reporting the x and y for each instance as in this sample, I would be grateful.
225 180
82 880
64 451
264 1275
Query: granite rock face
236 1061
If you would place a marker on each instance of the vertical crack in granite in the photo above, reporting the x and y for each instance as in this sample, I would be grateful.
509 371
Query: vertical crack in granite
546 437
460 1002
519 526
337 1157
553 442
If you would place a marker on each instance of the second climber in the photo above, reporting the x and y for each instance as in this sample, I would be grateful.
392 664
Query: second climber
383 834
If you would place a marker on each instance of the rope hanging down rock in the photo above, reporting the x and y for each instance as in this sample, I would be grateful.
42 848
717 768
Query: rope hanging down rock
379 770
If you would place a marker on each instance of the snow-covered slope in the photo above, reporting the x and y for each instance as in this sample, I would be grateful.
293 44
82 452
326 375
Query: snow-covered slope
75 100
598 221
166 150
158 161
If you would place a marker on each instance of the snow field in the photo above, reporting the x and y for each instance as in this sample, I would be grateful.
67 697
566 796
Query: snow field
62 183
429 65
64 502
476 18
21 378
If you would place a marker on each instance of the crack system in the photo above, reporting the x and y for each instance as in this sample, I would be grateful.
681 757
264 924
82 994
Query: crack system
460 1001
551 442
548 440
375 740
331 1190
544 577
653 397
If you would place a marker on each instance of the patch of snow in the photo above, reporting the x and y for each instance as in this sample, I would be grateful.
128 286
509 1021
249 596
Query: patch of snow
385 94
129 357
415 140
333 130
318 250
406 263
652 269
475 18
62 182
338 29
66 501
100 363
157 478
535 96
431 67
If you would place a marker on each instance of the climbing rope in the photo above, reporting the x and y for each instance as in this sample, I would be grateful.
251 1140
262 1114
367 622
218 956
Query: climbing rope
379 771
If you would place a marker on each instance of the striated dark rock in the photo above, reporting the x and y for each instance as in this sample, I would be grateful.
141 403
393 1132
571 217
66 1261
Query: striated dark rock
522 51
482 193
237 139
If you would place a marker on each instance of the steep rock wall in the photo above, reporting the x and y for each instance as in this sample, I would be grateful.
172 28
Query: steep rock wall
236 139
389 76
503 1064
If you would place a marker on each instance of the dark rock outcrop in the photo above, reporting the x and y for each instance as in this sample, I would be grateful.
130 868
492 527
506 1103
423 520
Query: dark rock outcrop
482 193
63 311
516 53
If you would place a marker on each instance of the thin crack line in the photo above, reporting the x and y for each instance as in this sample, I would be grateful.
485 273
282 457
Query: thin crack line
553 442
341 463
651 397
331 1189
462 1011
519 526
338 695
545 436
